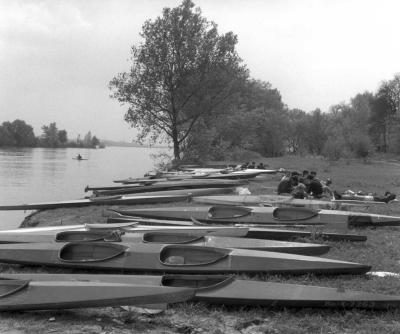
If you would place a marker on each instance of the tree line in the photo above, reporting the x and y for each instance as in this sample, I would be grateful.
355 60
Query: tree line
187 85
20 134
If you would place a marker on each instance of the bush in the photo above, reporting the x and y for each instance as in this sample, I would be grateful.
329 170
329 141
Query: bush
334 149
361 146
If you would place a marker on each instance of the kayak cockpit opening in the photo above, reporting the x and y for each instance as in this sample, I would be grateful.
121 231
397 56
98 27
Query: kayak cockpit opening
90 251
11 286
294 213
87 236
198 282
175 255
226 212
171 238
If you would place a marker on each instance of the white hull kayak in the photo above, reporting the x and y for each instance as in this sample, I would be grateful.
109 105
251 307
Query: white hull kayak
268 216
132 227
270 200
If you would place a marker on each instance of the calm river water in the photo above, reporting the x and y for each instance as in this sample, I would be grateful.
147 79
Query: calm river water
40 174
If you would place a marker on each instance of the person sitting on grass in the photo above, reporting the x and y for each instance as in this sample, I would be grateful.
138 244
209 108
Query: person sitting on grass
299 191
286 185
314 188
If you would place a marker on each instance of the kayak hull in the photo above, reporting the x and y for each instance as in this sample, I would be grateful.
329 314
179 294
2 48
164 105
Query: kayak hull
31 294
118 200
219 289
270 200
228 231
164 186
170 238
268 216
170 258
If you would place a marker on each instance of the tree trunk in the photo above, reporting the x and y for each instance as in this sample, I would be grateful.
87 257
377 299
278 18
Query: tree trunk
176 145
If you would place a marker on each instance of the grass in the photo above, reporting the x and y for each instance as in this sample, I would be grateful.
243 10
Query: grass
382 251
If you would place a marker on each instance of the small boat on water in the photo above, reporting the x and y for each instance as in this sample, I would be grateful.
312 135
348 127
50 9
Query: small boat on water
170 258
222 289
170 238
59 293
268 216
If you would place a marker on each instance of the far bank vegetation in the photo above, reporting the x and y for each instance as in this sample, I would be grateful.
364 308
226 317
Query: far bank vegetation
20 134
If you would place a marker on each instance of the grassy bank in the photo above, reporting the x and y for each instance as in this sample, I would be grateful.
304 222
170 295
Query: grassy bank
382 251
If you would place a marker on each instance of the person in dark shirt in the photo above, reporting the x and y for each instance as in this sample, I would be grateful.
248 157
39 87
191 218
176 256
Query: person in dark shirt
314 187
286 185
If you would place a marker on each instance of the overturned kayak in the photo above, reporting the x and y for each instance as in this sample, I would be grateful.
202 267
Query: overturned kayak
170 238
271 200
59 293
109 200
268 216
222 289
170 258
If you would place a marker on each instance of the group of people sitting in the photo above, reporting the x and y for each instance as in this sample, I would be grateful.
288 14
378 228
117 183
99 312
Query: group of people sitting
304 185
307 185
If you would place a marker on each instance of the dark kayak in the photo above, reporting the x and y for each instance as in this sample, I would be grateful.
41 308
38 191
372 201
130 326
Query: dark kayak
109 200
59 293
170 258
281 234
221 289
160 186
268 216
171 238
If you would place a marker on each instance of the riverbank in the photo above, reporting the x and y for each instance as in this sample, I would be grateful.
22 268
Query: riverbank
381 250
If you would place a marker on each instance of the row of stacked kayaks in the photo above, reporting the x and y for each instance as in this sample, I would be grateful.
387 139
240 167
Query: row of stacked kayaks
194 249
195 271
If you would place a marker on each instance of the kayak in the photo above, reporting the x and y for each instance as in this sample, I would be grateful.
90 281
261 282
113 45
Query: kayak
271 200
231 175
287 235
170 192
170 258
223 289
101 191
254 232
59 293
268 216
107 200
132 227
170 238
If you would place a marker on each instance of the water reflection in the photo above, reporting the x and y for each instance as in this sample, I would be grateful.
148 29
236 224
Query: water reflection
41 174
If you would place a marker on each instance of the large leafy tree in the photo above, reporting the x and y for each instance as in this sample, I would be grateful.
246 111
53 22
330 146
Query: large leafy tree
182 71
49 136
17 133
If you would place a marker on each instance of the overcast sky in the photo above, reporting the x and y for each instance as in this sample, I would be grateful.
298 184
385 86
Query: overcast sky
57 56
